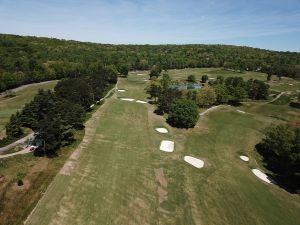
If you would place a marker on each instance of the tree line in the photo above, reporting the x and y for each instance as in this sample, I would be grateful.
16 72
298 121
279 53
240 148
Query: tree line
182 104
55 115
26 60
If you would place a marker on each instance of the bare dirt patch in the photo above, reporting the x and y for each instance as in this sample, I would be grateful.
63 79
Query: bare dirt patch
25 186
160 177
162 193
68 168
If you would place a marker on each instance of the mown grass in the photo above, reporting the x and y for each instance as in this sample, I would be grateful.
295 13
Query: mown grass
115 180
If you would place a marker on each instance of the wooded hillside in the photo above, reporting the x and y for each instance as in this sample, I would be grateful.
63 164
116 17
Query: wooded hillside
30 59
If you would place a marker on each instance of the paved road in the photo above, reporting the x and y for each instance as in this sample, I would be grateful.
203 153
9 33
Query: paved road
277 97
20 141
22 152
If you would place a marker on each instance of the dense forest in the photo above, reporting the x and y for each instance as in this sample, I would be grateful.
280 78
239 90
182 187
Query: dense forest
30 59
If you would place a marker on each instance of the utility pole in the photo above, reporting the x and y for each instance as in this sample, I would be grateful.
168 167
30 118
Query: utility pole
44 147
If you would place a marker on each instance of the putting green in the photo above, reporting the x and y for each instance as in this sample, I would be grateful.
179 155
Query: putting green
122 178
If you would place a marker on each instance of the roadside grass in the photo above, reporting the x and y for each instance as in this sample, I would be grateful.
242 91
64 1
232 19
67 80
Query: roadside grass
115 180
37 173
9 106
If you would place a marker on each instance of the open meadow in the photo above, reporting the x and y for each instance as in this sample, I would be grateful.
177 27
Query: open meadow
118 175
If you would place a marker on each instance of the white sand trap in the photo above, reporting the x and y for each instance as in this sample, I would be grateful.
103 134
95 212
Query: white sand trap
262 176
127 99
167 146
142 102
140 74
240 111
198 163
121 90
291 84
244 158
92 106
162 130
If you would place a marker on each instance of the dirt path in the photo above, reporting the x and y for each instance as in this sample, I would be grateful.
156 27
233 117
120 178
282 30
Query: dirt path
20 141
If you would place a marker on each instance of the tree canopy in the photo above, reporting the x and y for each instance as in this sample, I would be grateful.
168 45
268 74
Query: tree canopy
183 114
281 152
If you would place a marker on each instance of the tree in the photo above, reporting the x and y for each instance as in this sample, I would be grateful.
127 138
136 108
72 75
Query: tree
166 99
110 74
154 90
123 69
13 127
76 90
53 134
204 78
165 81
281 152
37 109
257 89
191 78
206 96
222 95
155 71
236 88
183 114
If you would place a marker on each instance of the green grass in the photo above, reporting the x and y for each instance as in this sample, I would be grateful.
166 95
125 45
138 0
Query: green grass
115 183
9 106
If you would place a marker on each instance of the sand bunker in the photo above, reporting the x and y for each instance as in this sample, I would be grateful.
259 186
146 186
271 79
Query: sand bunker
162 130
167 146
244 158
198 163
143 102
127 99
140 74
121 90
262 176
240 111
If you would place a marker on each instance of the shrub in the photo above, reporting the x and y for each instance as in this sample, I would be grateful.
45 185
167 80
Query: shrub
204 78
20 182
191 78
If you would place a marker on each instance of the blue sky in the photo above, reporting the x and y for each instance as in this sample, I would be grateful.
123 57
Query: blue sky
270 24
